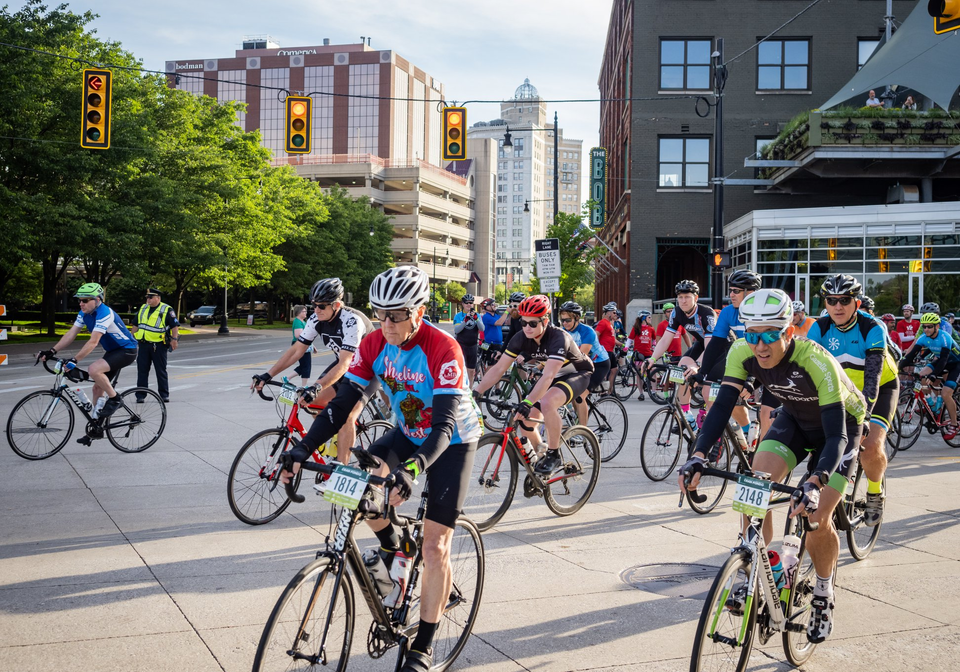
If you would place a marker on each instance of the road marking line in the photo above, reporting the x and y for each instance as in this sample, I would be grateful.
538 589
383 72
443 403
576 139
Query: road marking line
182 387
18 389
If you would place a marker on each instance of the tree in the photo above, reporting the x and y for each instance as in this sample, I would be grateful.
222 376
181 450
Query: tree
575 254
454 291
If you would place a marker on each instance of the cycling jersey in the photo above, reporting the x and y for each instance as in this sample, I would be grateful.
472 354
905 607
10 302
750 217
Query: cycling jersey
699 325
674 349
585 335
343 332
555 344
492 332
470 326
104 320
943 350
908 330
729 325
643 341
851 345
429 364
728 328
605 335
803 327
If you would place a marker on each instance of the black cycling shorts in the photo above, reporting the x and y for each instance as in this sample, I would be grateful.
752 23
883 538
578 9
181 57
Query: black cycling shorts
787 439
118 359
600 372
469 355
886 405
447 478
952 374
573 384
694 351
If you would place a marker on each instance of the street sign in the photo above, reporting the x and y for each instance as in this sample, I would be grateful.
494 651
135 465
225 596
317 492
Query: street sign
3 360
547 256
548 285
598 187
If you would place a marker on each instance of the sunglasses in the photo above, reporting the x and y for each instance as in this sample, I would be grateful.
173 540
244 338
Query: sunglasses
734 290
394 316
842 300
530 324
85 300
566 320
930 326
321 306
768 337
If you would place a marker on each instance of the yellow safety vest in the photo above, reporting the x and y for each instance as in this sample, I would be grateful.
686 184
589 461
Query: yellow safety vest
152 328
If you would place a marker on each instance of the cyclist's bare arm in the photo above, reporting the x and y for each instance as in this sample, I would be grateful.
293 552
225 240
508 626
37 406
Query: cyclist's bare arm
713 426
546 380
661 348
494 373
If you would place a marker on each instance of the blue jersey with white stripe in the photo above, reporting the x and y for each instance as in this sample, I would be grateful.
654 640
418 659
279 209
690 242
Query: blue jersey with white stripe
585 335
729 325
942 345
115 333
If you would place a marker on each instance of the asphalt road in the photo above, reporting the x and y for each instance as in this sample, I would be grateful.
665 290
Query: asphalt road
110 561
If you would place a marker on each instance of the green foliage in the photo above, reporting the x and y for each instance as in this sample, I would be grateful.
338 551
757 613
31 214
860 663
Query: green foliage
585 296
575 264
453 291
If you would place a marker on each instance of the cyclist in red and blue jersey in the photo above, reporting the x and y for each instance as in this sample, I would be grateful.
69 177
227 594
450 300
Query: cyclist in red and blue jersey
107 330
423 371
945 358
586 339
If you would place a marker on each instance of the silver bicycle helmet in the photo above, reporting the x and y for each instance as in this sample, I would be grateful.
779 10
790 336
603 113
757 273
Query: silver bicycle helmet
766 308
400 287
798 307
930 307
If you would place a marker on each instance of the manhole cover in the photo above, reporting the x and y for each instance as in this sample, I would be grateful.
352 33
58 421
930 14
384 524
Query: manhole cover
671 579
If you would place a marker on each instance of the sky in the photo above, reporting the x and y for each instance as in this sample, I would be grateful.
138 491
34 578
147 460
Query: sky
478 50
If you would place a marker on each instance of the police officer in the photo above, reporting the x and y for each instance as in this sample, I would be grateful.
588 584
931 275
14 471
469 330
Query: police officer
157 330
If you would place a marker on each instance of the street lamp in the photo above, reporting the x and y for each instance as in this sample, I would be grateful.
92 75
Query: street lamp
526 204
556 154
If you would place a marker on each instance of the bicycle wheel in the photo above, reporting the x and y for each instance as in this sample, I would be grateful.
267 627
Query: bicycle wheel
309 600
493 482
571 486
891 441
796 646
504 392
368 432
696 396
718 644
608 420
253 483
713 487
40 425
911 415
660 444
134 427
460 613
860 538
658 386
625 382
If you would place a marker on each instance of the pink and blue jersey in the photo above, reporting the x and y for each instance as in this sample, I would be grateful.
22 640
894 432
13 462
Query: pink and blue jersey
430 364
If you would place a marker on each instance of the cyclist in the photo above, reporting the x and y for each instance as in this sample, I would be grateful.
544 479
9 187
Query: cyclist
586 339
493 324
566 373
618 325
699 322
821 416
106 329
858 342
728 329
641 339
801 321
467 327
675 350
438 428
607 337
867 305
890 322
908 328
945 359
515 327
340 329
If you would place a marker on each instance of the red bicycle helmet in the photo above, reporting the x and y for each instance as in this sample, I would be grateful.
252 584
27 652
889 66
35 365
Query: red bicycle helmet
537 305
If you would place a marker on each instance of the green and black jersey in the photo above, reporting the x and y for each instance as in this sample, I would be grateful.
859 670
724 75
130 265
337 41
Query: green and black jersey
808 380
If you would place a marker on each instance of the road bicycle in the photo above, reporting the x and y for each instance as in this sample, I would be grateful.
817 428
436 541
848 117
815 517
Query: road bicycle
509 391
496 470
606 417
41 423
744 601
914 413
313 621
253 479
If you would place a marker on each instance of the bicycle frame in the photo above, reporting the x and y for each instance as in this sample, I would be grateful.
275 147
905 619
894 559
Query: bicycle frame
60 388
924 407
511 441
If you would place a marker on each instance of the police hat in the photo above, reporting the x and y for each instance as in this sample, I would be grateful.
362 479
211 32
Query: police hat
153 291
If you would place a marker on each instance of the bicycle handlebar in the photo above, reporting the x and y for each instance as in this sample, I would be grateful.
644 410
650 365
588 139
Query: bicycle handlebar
65 369
259 390
287 459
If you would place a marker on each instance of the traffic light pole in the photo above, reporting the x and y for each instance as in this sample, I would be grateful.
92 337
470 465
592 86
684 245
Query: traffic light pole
720 79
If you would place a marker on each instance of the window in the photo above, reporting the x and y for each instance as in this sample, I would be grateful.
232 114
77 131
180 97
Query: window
515 244
517 232
518 165
517 221
518 187
784 65
501 187
501 233
684 162
518 209
501 199
518 198
685 64
502 211
501 221
501 244
865 48
518 176
502 177
503 165
515 255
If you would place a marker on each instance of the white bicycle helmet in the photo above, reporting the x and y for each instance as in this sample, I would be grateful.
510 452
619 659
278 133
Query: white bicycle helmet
400 287
798 307
766 308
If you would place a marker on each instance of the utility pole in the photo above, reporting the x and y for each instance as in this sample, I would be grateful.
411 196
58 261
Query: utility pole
720 80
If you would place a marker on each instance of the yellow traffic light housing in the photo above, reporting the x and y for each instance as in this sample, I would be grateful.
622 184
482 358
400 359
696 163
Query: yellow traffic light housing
454 133
299 116
946 15
97 105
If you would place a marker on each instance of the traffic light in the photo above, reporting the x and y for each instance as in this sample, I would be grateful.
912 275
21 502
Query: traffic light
454 133
946 15
97 103
299 117
720 259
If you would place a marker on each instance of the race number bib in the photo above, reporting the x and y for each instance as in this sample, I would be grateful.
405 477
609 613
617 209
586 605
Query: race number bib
346 486
714 391
289 395
676 375
752 496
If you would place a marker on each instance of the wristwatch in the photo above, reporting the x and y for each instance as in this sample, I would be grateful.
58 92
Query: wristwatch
822 476
174 338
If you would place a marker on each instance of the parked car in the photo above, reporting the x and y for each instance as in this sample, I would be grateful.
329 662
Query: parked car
205 315
259 309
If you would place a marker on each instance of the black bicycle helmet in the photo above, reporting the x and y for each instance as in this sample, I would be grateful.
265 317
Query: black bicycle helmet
687 287
841 285
517 297
572 307
930 307
866 303
327 290
745 279
467 298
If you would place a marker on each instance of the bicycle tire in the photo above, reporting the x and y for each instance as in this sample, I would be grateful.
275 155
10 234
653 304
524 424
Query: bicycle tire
625 382
910 414
717 617
609 422
696 396
491 490
891 441
307 592
711 486
796 646
955 441
468 568
257 498
658 387
369 432
145 421
860 538
504 392
24 419
659 446
580 463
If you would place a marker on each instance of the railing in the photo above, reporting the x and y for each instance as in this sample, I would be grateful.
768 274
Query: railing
331 159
